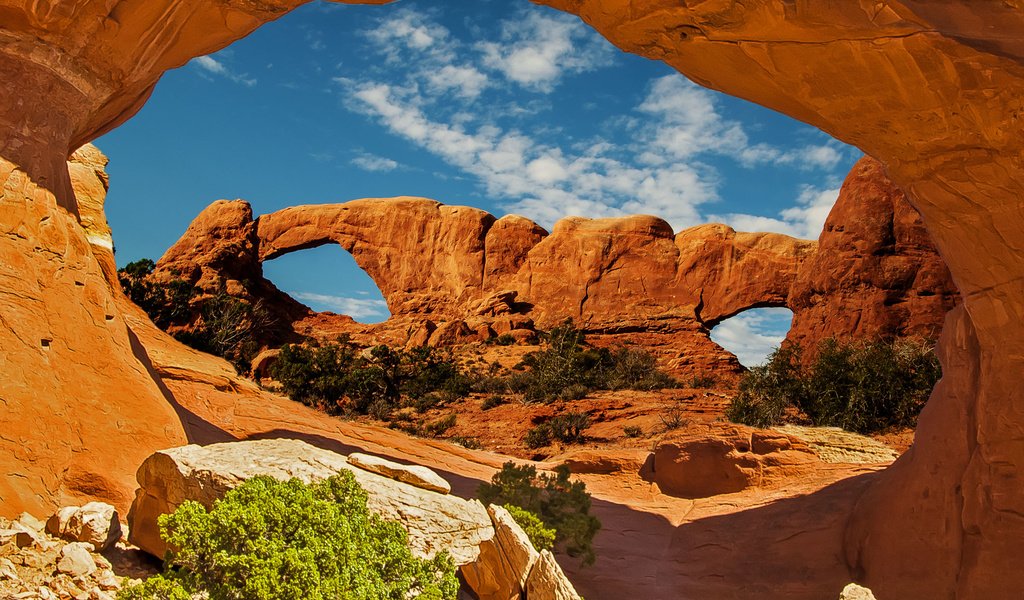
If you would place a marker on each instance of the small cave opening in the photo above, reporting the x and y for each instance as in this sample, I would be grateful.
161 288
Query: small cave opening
752 335
327 279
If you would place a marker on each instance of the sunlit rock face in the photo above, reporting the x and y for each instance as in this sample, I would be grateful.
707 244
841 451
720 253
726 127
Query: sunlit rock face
875 274
81 406
934 91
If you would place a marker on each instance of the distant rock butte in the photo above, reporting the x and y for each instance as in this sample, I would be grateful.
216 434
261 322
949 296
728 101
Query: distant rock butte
453 273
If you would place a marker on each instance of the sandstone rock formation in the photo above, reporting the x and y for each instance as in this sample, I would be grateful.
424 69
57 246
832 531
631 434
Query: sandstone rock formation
932 90
455 274
875 273
80 408
494 552
727 459
95 523
414 475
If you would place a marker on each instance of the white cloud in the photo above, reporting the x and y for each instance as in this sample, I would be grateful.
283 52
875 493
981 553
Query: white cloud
433 99
360 309
804 220
465 81
537 49
753 335
215 67
374 163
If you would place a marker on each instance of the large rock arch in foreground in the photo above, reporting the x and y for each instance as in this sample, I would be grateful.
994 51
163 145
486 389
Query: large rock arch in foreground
934 90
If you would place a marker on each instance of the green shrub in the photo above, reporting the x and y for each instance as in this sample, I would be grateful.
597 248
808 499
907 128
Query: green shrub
538 437
439 427
492 401
560 503
860 386
505 339
567 428
541 536
165 303
636 369
702 382
337 376
568 369
271 540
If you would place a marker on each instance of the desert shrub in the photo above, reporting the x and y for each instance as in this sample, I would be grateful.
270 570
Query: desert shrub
466 442
227 327
270 540
860 386
216 323
867 387
636 369
538 437
673 417
632 431
560 503
568 368
337 376
165 303
567 428
541 536
439 427
492 401
765 391
505 339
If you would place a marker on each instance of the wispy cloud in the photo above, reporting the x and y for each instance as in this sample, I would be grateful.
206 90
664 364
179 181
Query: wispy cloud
536 50
210 65
805 219
360 309
374 163
753 335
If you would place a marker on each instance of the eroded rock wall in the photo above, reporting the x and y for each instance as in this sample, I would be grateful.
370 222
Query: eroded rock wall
934 91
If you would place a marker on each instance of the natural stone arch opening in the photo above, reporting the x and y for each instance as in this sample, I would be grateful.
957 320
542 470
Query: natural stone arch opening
753 334
943 522
327 278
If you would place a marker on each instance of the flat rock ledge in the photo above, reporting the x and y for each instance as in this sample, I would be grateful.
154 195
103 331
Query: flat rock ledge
414 475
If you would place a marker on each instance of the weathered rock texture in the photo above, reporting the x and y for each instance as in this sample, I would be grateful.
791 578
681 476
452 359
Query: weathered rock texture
876 272
204 473
453 274
727 459
933 90
494 552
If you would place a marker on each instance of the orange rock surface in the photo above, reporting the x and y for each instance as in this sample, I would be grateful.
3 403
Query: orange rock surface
932 89
875 273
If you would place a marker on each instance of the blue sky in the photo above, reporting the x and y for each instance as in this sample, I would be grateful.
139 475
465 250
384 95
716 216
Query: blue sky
507 106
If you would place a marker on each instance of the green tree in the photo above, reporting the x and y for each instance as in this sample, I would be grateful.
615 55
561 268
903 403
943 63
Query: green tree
559 502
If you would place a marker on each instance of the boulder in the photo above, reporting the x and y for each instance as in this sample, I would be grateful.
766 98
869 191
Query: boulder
95 523
856 592
547 581
723 459
414 475
505 560
75 560
434 521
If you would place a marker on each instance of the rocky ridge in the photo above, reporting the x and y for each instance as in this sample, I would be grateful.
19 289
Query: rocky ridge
455 274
